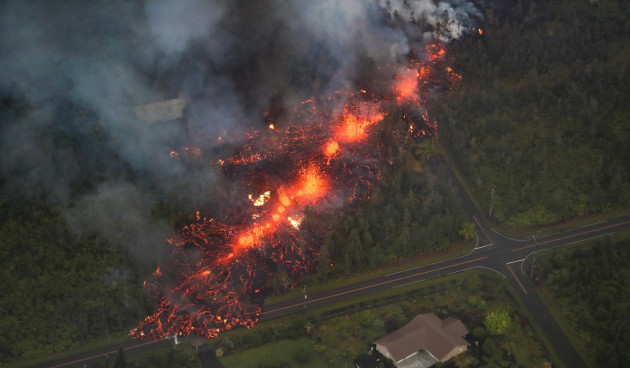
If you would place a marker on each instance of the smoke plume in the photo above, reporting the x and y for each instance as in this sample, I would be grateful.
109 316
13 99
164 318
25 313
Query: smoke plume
72 73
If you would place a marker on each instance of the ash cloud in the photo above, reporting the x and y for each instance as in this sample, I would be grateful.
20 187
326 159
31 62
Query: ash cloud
73 71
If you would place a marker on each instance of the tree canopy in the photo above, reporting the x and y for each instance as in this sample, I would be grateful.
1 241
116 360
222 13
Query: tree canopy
590 283
497 323
541 114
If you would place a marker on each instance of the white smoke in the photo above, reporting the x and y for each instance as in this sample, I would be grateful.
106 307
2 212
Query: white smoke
234 59
453 16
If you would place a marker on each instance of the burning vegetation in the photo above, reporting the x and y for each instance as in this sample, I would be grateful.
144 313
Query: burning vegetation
220 267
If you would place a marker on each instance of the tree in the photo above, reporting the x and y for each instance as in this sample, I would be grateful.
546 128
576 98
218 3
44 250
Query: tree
121 361
428 149
497 323
280 281
467 231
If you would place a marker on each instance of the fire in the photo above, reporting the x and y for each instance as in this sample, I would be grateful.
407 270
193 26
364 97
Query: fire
355 124
284 199
423 73
261 198
219 267
407 85
311 186
331 148
294 222
480 31
435 51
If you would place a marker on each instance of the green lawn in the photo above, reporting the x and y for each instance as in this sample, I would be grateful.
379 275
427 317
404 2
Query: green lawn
326 339
283 353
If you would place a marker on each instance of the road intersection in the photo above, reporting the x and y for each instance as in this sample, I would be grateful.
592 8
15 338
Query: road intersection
493 251
497 252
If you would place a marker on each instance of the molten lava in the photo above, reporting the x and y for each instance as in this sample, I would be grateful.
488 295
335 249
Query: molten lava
220 267
356 121
406 87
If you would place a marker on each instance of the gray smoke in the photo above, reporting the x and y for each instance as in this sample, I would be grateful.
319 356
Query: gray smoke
76 70
454 16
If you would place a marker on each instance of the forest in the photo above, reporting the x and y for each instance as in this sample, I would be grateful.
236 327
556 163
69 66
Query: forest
539 121
64 288
539 118
590 284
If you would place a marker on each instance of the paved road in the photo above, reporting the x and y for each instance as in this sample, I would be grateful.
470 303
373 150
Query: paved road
494 251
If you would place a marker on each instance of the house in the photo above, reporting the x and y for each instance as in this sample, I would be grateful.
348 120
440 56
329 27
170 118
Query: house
424 341
164 110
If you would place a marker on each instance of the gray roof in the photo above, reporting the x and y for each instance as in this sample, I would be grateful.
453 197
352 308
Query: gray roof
425 332
162 111
420 360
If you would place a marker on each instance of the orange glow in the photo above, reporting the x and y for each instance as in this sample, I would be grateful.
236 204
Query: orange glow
436 51
311 185
354 126
407 85
331 148
284 199
315 159
294 222
480 31
262 199
423 72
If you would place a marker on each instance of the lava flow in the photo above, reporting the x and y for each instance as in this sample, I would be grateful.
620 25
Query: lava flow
220 267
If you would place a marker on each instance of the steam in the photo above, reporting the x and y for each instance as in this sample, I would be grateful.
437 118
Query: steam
73 72
454 17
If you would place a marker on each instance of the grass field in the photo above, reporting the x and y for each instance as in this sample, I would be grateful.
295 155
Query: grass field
289 353
326 339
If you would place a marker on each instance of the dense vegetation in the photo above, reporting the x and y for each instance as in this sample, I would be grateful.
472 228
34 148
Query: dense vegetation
541 113
334 338
59 291
591 285
413 209
62 288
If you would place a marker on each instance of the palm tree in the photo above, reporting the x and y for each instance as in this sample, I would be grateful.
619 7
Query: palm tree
428 149
467 231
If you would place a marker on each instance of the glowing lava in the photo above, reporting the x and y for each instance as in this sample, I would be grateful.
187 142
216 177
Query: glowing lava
331 148
219 268
406 86
356 121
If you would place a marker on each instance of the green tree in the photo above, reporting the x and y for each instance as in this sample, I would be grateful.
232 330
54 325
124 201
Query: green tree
467 231
428 149
121 361
280 281
497 323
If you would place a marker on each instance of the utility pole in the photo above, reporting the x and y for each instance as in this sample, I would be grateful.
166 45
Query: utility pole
531 276
491 200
